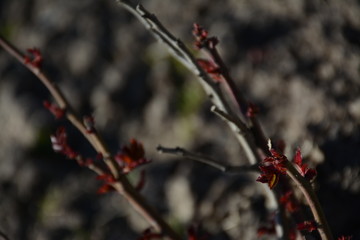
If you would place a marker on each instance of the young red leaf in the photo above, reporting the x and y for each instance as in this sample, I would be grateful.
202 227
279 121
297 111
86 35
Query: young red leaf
106 177
149 235
54 109
85 163
292 234
307 226
298 157
59 143
252 110
131 156
266 231
269 175
105 189
35 59
288 202
201 38
303 168
210 68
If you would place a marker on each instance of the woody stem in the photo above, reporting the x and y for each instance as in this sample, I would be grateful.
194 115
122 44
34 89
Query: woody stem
312 200
122 184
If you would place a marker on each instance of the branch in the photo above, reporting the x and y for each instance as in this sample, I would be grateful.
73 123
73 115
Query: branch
178 49
239 98
272 198
242 130
312 200
213 90
207 160
241 127
122 185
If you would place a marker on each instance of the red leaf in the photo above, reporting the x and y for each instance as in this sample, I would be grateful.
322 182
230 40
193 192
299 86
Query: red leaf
85 163
298 158
263 178
210 68
292 234
131 156
54 109
266 231
105 189
277 160
201 38
108 178
35 59
59 143
272 167
307 226
286 197
288 202
252 110
269 175
148 235
303 168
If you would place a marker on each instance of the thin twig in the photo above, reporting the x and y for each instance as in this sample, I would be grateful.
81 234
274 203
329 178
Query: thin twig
272 199
254 126
244 136
207 160
62 102
242 129
122 185
240 100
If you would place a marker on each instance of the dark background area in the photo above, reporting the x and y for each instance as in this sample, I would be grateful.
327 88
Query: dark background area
298 60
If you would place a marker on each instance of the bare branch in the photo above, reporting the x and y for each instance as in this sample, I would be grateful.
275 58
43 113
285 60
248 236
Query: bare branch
213 90
206 160
312 200
239 98
242 129
122 185
182 53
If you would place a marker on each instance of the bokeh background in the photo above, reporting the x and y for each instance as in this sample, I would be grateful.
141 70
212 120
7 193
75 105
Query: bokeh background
298 60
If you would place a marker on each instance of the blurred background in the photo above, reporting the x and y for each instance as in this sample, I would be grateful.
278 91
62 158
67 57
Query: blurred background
299 61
